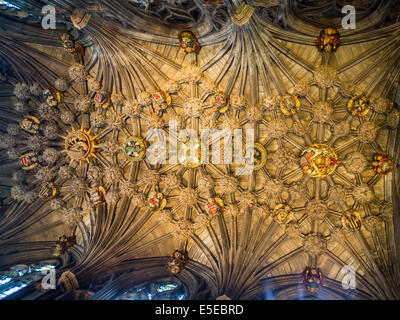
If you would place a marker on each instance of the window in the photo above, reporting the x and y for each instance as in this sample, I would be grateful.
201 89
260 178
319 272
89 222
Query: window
166 287
21 276
8 4
160 290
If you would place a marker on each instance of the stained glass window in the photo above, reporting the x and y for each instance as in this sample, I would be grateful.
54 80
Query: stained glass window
8 4
162 290
166 287
18 277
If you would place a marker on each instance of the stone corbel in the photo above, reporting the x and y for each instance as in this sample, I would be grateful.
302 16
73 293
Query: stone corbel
68 281
80 18
242 14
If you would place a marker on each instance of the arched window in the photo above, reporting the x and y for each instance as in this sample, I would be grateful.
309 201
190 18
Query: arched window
159 290
20 276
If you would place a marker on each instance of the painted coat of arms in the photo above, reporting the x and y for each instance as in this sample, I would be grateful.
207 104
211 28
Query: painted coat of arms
319 160
28 161
135 148
156 201
214 207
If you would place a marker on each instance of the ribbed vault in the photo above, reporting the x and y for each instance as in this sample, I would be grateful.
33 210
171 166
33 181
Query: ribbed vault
255 54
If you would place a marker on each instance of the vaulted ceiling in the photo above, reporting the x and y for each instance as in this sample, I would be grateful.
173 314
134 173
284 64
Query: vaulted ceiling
252 55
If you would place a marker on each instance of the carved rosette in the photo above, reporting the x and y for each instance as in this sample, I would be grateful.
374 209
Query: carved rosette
314 245
316 209
325 76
